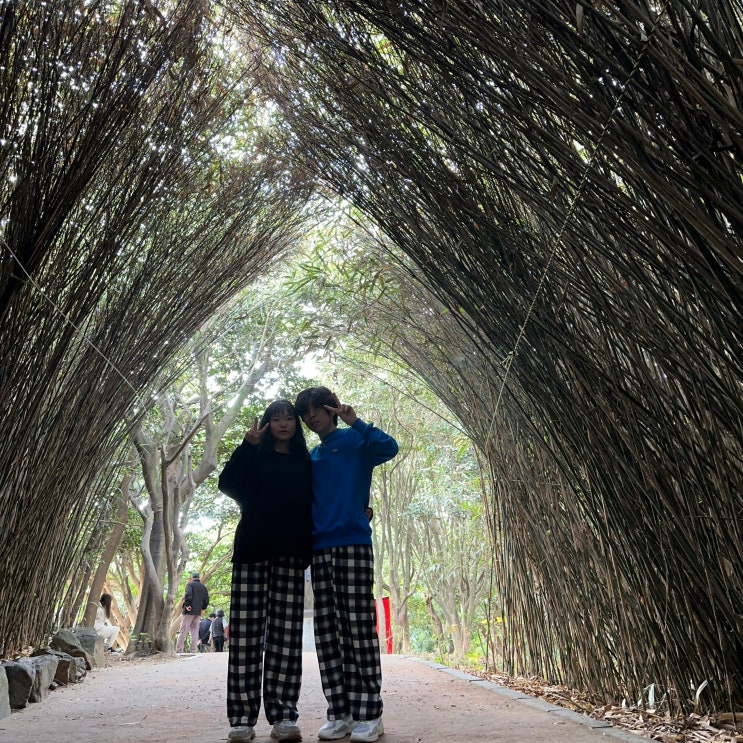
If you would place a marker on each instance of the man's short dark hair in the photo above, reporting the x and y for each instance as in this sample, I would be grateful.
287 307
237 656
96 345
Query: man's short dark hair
315 397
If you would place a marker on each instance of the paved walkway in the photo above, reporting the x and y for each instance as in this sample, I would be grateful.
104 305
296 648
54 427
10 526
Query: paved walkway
183 700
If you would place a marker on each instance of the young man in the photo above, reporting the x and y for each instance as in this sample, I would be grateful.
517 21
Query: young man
343 564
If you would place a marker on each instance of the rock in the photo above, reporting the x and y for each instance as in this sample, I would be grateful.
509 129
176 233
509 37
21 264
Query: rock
44 668
66 670
65 640
20 680
92 644
82 669
84 657
4 695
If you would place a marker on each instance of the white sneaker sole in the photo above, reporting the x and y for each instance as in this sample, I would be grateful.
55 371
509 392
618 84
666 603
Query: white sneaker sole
333 736
365 738
288 737
241 738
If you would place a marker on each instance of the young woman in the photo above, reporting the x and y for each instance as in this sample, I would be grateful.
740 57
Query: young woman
103 626
269 475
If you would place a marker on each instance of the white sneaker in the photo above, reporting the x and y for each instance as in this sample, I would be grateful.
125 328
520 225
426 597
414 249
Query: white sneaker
286 730
241 734
336 729
367 731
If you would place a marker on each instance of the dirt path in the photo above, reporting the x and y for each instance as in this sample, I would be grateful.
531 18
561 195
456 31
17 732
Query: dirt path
182 699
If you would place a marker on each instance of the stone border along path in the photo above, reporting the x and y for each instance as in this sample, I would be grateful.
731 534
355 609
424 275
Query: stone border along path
182 699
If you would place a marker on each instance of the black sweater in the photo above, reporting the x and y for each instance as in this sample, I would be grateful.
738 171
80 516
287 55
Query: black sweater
274 491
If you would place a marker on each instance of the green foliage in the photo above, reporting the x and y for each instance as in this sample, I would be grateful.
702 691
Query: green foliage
422 640
429 503
133 533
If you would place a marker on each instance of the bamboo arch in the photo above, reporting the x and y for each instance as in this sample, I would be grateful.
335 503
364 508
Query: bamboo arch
464 130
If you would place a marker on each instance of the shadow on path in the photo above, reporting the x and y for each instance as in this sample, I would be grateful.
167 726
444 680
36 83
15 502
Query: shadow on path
182 699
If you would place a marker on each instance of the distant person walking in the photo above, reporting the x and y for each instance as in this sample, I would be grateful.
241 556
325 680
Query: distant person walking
218 634
102 625
269 476
195 601
343 564
205 633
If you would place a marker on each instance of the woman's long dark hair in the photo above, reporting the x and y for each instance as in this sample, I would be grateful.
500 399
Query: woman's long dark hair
297 445
106 600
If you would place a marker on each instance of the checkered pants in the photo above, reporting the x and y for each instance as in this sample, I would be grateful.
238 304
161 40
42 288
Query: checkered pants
345 631
266 619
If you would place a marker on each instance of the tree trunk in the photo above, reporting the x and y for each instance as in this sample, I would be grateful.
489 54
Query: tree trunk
147 633
402 627
460 636
124 575
438 628
80 581
109 551
72 602
171 478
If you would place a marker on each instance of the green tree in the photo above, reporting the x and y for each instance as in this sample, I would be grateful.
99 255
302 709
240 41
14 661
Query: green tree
180 440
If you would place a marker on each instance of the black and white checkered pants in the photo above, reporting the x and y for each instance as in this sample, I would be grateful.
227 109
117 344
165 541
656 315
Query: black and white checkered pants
345 631
266 619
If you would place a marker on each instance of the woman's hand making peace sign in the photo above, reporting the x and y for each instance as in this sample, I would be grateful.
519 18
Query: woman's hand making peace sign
255 434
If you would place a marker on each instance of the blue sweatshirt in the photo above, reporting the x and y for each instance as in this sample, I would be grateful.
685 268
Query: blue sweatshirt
342 466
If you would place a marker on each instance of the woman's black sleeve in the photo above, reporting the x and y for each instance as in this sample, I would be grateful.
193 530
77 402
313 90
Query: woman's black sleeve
235 477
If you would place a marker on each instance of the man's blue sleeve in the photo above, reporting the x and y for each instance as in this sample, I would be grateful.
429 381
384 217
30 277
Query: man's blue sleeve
380 446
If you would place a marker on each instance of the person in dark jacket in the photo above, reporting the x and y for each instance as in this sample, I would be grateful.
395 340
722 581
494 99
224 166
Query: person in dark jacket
218 633
205 632
194 602
269 475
